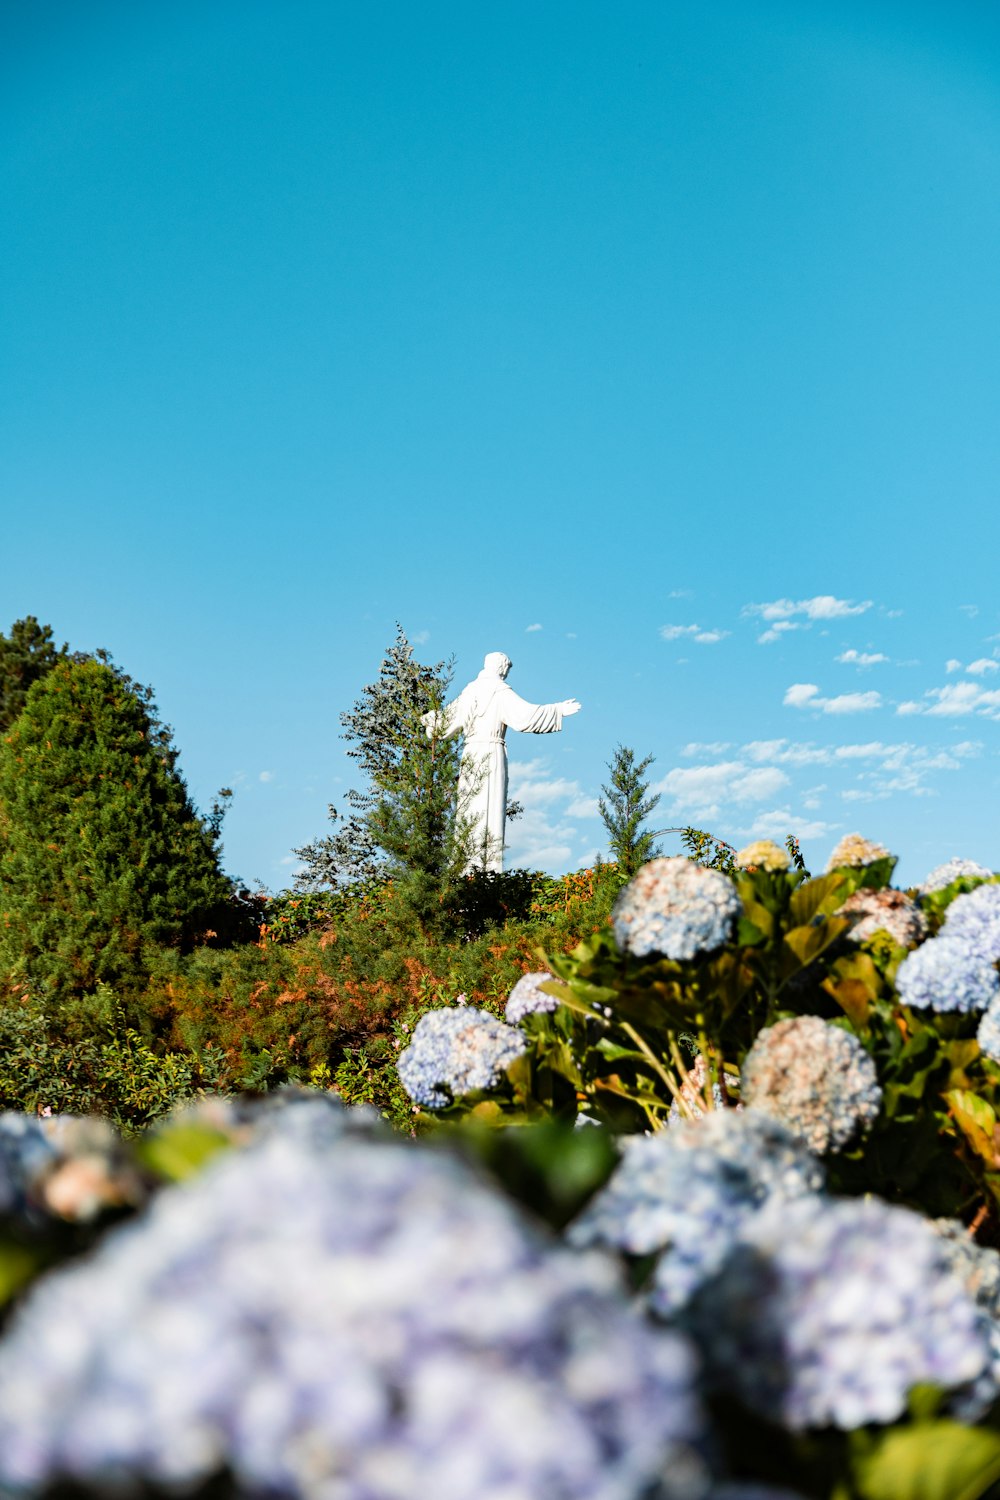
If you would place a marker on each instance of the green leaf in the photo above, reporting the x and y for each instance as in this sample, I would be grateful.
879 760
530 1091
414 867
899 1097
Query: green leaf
180 1151
977 1122
17 1266
932 1461
817 897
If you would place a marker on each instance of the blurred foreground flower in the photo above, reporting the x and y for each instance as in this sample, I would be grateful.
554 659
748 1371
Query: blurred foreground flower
884 911
676 909
683 1193
827 1312
327 1314
974 919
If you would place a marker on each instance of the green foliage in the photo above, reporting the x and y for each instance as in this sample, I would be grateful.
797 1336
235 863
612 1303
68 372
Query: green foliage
379 729
101 852
626 808
26 656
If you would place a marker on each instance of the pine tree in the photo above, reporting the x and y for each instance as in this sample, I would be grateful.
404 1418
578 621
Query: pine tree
26 655
626 807
101 850
380 728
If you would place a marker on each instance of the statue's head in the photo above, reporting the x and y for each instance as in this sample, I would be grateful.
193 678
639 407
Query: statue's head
496 662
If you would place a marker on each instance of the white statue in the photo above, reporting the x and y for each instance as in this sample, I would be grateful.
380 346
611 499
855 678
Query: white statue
483 712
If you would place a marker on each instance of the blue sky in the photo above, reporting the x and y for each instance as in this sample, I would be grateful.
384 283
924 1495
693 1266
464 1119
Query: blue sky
655 345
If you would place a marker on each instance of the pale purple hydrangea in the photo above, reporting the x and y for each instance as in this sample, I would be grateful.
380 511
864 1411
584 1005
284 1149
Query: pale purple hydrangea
526 998
26 1151
827 1312
988 1035
953 869
674 908
884 911
69 1167
974 919
683 1194
454 1052
947 974
978 1269
361 1316
815 1078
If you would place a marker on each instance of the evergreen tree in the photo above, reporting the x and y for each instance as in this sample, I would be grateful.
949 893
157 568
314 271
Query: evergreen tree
380 728
626 807
101 850
26 655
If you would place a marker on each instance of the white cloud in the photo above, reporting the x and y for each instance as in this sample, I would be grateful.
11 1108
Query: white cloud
715 747
807 695
801 695
266 776
583 807
954 700
703 790
953 665
971 610
775 631
861 658
681 594
695 632
421 638
529 628
820 607
782 821
982 666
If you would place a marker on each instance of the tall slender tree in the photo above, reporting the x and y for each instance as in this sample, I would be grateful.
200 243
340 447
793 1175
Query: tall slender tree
26 655
626 807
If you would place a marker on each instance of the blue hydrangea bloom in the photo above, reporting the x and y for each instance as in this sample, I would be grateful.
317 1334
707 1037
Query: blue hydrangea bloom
683 1194
953 869
674 908
947 974
827 1312
526 997
454 1051
361 1316
815 1078
974 919
978 1268
25 1153
988 1035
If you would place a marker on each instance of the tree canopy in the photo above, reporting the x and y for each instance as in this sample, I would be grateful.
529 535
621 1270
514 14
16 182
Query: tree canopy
101 849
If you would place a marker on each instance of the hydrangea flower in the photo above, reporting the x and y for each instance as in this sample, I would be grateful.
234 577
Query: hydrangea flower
763 854
361 1317
988 1035
978 1269
953 869
884 911
64 1167
676 909
527 997
974 919
815 1078
682 1195
454 1052
739 1489
947 974
855 851
827 1312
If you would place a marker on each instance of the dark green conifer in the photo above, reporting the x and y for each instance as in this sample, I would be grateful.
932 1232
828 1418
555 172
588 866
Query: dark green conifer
101 850
626 807
26 655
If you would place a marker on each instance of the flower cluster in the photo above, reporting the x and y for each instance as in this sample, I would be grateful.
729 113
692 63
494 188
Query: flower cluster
885 911
682 1195
815 1078
854 851
953 869
454 1052
64 1167
674 908
978 1269
356 1318
762 854
947 974
807 1327
527 996
974 919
